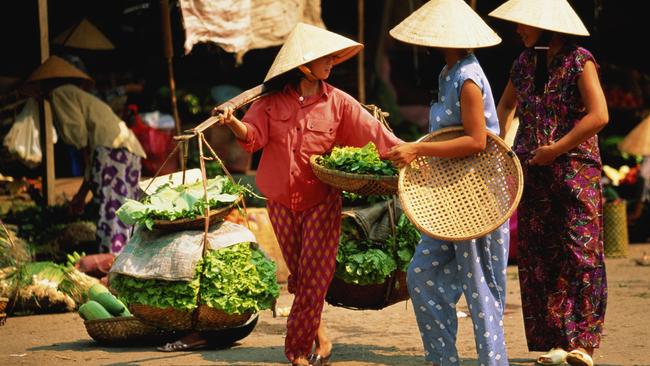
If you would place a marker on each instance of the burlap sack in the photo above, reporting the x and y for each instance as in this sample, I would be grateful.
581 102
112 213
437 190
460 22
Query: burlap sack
173 256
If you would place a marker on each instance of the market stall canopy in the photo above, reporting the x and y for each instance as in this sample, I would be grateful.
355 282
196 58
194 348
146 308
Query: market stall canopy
239 26
84 35
637 142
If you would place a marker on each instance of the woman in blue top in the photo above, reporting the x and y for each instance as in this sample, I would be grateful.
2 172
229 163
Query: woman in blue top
441 271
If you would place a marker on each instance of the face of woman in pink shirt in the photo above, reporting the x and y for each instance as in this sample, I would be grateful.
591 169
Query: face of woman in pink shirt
321 67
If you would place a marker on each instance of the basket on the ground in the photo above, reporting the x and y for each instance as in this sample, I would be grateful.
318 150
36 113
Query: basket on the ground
3 304
124 331
461 198
368 297
363 184
616 238
198 222
202 318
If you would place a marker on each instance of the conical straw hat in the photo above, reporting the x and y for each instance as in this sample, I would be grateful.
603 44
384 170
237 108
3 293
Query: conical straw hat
56 67
637 142
445 24
84 35
554 15
306 43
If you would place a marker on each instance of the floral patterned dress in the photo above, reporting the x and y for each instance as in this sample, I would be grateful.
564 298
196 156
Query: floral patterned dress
561 262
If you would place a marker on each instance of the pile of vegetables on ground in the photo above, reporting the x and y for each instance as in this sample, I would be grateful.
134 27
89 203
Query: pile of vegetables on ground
180 202
357 160
235 279
364 262
44 287
102 304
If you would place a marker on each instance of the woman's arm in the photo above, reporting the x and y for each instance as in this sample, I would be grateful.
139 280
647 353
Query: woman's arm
237 127
474 140
506 109
596 118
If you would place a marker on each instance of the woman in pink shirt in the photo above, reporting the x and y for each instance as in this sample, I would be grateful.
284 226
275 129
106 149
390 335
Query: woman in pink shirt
306 116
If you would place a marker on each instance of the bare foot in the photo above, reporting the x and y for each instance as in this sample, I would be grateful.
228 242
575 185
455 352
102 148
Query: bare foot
323 343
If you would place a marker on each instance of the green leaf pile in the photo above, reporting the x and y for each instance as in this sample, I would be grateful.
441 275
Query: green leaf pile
364 262
236 279
358 160
181 202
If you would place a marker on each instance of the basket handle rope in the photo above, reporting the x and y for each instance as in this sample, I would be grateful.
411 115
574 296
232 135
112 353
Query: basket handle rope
378 114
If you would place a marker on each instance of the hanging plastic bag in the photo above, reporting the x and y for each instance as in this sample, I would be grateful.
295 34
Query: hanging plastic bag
23 139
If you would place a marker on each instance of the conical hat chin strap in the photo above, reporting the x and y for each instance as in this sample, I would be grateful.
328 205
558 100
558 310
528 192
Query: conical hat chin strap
308 74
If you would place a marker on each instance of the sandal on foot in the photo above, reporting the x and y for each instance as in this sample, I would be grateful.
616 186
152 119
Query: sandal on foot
180 346
318 360
579 358
556 356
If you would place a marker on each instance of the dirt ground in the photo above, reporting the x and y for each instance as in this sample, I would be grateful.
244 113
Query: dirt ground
384 337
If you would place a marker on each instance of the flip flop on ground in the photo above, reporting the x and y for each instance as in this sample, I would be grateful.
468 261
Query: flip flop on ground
556 356
579 358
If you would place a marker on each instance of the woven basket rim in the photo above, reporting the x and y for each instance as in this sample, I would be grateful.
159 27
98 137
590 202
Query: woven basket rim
315 165
197 219
520 188
117 319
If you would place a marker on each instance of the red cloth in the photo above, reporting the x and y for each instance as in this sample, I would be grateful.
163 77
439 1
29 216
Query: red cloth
291 131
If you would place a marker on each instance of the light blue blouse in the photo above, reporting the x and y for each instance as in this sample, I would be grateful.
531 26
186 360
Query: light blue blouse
446 111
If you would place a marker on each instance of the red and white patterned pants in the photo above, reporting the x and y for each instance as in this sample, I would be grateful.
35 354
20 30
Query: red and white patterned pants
309 240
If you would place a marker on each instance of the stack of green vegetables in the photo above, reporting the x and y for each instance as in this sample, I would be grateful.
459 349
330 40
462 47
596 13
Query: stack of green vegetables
102 305
364 262
180 202
236 280
358 160
44 287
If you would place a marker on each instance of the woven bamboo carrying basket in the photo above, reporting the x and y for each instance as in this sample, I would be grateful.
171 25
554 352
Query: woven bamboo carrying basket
363 184
368 297
615 229
124 331
198 222
461 198
202 318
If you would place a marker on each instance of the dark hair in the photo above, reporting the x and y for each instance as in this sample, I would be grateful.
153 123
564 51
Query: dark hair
541 68
292 76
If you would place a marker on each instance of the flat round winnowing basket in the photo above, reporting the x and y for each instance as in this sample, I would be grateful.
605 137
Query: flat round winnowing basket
363 184
207 318
461 198
126 331
216 215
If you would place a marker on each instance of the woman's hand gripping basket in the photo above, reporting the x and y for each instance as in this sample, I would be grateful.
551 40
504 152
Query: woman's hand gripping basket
461 198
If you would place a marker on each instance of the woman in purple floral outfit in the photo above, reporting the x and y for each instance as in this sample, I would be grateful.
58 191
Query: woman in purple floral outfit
555 92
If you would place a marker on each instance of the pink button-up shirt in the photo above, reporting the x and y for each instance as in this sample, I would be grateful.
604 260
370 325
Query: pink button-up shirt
291 130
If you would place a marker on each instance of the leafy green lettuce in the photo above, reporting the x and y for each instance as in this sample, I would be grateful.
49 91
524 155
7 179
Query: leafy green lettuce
236 279
358 160
185 201
364 262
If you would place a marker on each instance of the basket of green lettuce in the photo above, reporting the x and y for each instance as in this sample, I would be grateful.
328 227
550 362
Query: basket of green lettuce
186 289
374 253
358 170
182 207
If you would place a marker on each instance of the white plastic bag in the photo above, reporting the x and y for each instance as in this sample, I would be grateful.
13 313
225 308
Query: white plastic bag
23 139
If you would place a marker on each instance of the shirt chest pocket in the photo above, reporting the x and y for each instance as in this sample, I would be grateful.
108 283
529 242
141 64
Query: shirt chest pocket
278 124
319 135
